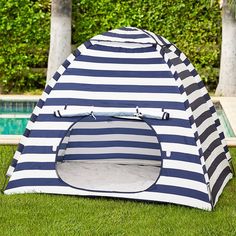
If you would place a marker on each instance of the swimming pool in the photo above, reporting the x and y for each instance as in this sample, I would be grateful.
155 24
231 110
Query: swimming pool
14 116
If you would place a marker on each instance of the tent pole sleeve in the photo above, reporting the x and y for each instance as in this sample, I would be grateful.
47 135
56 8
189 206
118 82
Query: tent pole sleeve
160 115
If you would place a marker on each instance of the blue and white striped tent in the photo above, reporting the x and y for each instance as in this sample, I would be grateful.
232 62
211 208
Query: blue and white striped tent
125 116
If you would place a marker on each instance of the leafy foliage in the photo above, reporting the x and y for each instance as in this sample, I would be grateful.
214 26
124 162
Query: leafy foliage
24 40
194 26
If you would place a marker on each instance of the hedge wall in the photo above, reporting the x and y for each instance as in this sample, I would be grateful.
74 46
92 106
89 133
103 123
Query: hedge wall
194 26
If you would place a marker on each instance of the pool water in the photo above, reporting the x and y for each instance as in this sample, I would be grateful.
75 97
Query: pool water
15 115
14 126
228 131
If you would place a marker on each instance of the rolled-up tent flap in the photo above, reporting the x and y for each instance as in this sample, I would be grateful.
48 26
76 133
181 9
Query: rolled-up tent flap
159 114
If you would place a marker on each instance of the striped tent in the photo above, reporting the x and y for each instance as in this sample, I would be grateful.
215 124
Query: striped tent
125 116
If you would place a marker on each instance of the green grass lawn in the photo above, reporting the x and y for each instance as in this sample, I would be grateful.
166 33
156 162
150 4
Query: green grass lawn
42 214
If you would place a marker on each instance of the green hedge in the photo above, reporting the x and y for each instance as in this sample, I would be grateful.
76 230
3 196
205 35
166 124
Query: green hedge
24 40
194 26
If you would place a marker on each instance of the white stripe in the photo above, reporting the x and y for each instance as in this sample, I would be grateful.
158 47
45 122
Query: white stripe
37 158
114 137
70 58
118 67
174 130
52 82
188 81
10 171
183 183
51 125
41 141
88 125
128 32
182 165
109 150
116 96
121 44
117 39
117 80
37 110
61 70
24 174
180 67
17 155
44 96
162 197
98 53
177 147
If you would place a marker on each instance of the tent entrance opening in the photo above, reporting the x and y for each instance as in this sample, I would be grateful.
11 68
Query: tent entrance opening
109 154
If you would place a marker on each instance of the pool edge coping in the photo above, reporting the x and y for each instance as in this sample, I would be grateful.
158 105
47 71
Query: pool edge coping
21 98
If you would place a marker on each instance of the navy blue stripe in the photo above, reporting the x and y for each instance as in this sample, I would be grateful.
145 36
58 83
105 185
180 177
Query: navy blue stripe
183 174
116 88
35 182
177 139
33 117
35 166
120 60
20 147
180 191
126 36
186 62
106 156
180 156
38 149
95 144
61 133
111 73
148 132
40 103
26 133
194 73
128 29
56 76
114 103
66 63
202 85
48 89
119 49
47 133
13 162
